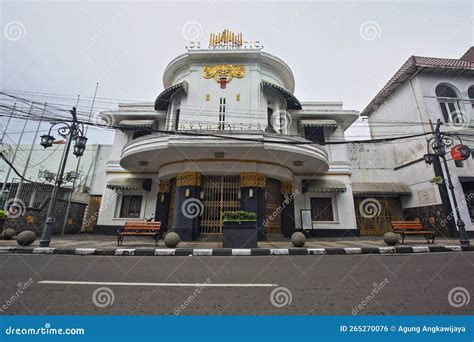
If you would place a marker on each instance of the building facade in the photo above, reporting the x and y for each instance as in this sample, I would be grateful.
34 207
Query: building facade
227 133
422 91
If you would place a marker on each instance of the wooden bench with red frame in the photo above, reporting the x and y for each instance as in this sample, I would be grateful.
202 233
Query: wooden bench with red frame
412 228
140 228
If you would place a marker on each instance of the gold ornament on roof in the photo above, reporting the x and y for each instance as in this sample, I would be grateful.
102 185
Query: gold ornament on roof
225 37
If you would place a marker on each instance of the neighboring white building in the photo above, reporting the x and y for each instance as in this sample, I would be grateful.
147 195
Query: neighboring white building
47 160
227 133
422 91
37 186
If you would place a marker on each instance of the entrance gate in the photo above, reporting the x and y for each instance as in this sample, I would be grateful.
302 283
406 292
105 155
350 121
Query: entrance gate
273 206
373 214
220 194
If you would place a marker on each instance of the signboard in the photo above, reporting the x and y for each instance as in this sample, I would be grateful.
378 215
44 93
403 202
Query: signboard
306 220
427 196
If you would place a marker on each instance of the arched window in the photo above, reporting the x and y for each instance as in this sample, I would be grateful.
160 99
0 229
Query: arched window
449 102
470 93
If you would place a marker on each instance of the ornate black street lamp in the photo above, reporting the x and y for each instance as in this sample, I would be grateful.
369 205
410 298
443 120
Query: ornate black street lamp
71 131
438 144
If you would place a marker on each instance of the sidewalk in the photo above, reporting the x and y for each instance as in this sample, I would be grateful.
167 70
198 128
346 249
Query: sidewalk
87 244
86 240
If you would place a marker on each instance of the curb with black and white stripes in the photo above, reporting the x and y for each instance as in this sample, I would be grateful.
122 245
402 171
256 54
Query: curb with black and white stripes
232 251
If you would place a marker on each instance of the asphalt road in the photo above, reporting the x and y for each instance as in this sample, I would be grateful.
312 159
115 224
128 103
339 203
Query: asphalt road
321 285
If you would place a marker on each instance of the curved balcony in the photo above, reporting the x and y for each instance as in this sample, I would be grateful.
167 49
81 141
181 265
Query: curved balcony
228 153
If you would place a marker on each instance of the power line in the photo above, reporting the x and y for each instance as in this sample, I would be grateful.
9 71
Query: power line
13 168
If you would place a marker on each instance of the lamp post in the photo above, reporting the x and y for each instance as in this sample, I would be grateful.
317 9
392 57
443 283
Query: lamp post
69 131
439 143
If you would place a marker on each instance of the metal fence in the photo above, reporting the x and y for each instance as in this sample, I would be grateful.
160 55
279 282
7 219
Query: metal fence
31 194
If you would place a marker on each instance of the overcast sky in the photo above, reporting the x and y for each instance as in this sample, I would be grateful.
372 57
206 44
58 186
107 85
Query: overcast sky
338 51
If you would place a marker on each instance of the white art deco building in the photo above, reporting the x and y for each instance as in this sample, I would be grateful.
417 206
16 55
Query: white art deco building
228 133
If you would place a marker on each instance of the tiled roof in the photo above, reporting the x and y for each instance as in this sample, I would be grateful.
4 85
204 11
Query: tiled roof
412 65
469 55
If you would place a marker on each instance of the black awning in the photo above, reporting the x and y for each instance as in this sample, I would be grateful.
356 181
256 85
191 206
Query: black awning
291 101
164 99
323 185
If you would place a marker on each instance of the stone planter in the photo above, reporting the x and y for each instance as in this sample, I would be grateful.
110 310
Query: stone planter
240 235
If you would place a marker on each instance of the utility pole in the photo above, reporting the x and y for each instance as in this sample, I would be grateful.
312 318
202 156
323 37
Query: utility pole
5 182
439 144
27 163
77 165
443 192
70 131
3 137
8 124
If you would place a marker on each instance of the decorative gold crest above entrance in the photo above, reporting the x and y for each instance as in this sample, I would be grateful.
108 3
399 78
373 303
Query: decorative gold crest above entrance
188 179
252 180
223 73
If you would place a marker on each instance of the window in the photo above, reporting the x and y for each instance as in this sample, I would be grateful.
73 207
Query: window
131 206
222 113
470 93
469 196
449 103
314 134
176 122
321 209
269 117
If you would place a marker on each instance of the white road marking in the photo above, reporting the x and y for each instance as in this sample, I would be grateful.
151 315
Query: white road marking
420 249
84 251
279 251
316 251
202 252
163 251
241 251
353 250
43 250
113 283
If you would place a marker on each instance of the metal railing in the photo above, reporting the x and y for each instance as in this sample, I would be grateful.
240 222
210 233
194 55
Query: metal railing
31 194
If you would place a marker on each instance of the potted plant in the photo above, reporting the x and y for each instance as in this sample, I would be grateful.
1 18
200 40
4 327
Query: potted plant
240 229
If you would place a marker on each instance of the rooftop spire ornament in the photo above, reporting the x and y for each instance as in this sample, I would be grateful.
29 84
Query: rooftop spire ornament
226 38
